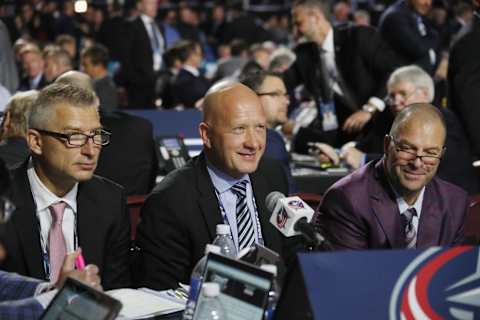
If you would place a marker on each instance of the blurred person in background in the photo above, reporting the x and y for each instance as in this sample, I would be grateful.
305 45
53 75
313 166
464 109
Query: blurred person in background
13 131
33 66
57 62
94 62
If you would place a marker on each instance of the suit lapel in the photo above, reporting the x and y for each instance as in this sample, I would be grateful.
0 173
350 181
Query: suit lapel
385 207
89 234
207 201
431 218
342 61
26 224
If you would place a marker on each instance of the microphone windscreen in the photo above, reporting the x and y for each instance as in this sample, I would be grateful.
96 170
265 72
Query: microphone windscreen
272 199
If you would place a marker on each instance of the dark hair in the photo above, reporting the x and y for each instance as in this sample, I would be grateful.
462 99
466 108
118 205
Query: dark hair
98 54
238 46
170 55
185 48
254 80
323 5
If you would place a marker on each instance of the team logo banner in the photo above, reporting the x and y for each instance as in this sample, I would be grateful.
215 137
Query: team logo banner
437 283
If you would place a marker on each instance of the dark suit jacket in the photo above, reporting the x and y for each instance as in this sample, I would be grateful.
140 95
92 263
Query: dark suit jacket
360 212
103 228
137 74
25 84
398 26
130 159
464 83
16 297
188 88
180 216
363 60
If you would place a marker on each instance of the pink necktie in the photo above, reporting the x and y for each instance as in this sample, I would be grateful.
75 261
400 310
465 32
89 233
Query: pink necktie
56 240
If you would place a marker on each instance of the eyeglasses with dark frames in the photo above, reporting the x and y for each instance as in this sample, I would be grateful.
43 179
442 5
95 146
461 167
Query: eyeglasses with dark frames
407 153
77 139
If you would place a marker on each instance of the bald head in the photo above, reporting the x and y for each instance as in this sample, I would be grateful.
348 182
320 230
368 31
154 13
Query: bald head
76 78
233 130
419 114
220 101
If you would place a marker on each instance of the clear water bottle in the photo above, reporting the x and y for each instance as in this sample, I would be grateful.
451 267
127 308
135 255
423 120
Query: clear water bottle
196 280
274 292
225 242
210 307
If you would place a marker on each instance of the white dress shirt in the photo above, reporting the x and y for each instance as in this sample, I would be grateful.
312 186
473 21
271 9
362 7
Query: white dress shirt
43 199
148 22
228 202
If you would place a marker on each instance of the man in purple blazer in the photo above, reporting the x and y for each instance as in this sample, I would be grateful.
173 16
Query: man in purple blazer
397 202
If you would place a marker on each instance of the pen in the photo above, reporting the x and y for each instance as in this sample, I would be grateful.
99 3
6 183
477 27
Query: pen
79 262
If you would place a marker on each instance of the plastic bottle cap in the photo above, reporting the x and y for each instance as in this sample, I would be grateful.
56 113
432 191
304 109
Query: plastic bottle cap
269 268
223 229
212 248
211 289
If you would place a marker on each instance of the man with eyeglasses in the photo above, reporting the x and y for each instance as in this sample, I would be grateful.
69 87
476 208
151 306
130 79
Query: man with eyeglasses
23 297
61 205
273 96
408 85
397 202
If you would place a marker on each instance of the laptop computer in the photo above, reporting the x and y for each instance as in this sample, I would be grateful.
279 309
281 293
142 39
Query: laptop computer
77 301
244 288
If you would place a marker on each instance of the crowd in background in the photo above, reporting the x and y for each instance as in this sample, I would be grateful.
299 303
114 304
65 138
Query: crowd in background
195 44
224 31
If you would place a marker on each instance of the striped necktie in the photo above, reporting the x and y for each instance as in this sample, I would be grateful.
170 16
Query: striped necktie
246 234
56 240
407 225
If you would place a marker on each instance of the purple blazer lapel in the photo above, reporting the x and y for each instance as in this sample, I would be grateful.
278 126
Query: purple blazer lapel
431 218
385 207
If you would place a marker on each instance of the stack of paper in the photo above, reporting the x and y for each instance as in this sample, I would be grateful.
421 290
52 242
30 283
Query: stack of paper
139 304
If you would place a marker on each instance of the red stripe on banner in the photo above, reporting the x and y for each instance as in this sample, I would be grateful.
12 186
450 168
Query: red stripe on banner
424 276
405 308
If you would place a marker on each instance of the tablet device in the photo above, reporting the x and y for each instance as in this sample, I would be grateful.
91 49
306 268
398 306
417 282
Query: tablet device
244 288
77 301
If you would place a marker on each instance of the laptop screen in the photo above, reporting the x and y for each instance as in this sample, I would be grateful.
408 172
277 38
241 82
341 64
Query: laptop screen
243 287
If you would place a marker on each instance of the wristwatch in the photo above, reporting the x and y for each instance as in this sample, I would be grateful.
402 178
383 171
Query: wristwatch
369 108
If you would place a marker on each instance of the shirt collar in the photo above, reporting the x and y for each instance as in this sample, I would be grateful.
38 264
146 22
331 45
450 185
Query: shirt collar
221 181
191 69
146 19
35 81
44 197
404 206
327 44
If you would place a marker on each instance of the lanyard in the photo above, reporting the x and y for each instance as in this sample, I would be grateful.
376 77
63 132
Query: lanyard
44 244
